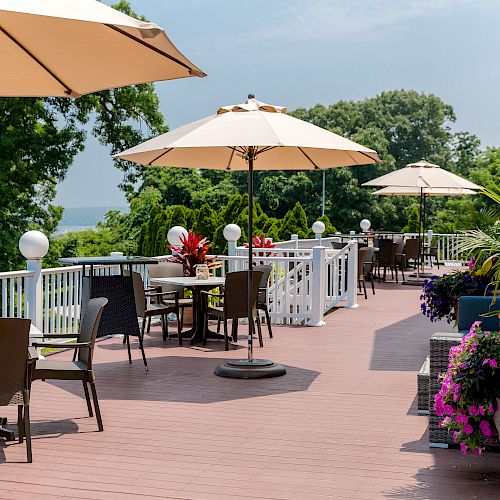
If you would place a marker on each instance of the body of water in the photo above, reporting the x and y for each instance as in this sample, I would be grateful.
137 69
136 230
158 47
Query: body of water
81 218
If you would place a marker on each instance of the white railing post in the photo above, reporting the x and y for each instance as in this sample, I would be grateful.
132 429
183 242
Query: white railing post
295 239
352 275
34 245
232 233
318 287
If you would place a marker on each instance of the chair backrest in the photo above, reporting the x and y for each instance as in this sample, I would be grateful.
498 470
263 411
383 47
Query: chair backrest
471 308
411 248
365 255
88 328
266 271
387 253
14 339
139 293
338 245
236 293
167 269
401 243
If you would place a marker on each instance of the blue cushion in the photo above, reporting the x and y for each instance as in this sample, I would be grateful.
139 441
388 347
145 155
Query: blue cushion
471 308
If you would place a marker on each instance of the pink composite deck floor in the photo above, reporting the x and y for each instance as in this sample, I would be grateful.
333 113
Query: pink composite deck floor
341 424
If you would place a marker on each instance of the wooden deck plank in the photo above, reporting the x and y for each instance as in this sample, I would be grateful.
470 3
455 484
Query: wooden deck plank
341 424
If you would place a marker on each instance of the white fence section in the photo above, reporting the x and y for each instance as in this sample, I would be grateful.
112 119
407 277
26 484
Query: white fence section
308 279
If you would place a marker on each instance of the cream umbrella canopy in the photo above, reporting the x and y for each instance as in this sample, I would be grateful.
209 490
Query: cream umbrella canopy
422 179
70 48
250 136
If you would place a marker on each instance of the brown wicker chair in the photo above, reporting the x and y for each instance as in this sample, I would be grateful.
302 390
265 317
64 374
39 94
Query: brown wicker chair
387 259
81 368
411 251
365 268
160 307
431 253
262 297
234 304
16 373
167 269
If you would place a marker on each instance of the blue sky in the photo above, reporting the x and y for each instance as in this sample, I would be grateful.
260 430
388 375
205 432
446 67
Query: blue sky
299 53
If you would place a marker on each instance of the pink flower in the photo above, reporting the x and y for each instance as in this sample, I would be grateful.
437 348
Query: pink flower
455 436
481 411
475 326
446 421
449 410
493 363
439 407
484 426
473 411
463 448
461 418
490 409
467 429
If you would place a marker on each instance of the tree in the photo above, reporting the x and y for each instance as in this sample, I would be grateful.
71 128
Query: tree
294 222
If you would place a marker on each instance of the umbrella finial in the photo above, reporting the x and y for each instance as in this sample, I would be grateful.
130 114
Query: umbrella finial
251 96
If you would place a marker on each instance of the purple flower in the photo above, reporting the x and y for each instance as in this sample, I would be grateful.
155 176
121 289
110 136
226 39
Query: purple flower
449 410
455 436
461 418
463 448
484 427
473 411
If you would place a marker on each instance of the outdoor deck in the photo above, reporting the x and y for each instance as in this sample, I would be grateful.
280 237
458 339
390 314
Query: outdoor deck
341 424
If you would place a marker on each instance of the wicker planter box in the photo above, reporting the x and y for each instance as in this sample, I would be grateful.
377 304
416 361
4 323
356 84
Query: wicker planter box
440 345
423 382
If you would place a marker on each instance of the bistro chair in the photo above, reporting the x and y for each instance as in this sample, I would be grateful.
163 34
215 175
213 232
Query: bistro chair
262 297
233 304
167 269
365 268
81 367
431 253
160 307
411 251
387 259
16 366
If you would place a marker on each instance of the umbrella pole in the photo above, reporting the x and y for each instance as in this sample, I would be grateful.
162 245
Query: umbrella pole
250 368
250 257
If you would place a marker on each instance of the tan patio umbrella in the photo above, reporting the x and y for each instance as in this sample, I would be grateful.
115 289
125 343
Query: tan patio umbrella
250 136
422 179
69 48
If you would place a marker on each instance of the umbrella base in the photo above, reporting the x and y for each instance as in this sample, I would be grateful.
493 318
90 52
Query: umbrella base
414 281
421 275
243 368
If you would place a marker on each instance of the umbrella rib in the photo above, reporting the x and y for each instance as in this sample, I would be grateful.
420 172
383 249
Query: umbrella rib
159 156
230 159
265 149
68 90
308 157
154 49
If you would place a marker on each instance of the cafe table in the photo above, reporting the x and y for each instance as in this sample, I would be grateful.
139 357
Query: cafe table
197 286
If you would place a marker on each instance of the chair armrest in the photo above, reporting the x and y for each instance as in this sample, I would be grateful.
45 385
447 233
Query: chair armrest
55 345
174 293
219 295
32 354
60 336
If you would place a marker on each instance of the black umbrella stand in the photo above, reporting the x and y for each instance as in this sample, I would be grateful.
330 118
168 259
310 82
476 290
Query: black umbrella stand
250 368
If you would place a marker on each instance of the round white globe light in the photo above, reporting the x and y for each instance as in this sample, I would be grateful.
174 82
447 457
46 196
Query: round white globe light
232 232
318 227
365 224
174 235
33 245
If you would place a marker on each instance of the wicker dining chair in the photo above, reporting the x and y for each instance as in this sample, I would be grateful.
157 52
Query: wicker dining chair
234 304
81 368
16 373
387 259
167 269
365 268
411 251
160 306
262 297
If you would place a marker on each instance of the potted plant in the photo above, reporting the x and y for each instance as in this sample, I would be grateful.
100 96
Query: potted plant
194 251
468 400
440 293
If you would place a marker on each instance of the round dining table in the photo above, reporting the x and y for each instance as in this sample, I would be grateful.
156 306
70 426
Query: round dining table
195 334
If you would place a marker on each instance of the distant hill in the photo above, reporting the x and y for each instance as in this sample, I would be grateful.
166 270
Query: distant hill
78 218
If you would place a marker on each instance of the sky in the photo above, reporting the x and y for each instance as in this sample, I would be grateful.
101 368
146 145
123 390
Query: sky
299 53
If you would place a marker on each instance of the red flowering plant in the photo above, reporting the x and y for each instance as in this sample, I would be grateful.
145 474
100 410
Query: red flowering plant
194 251
262 242
467 401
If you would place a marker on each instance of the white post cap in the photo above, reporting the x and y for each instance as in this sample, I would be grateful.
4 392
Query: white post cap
33 245
318 228
365 224
174 235
232 232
